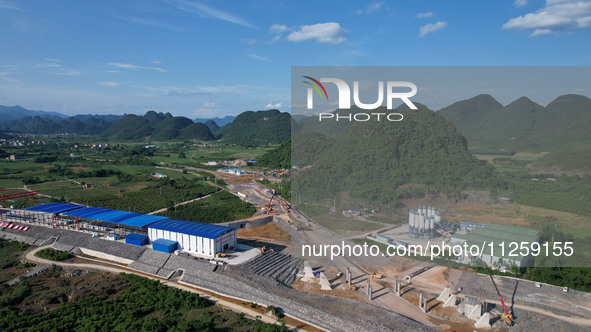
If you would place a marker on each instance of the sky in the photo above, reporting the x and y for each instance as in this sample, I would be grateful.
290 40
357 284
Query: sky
214 58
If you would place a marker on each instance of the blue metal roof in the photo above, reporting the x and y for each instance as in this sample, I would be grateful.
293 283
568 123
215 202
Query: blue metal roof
164 242
116 216
106 215
142 220
208 231
120 216
55 207
136 236
86 212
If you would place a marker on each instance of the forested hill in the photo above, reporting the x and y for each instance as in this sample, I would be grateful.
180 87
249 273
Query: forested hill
278 158
248 128
261 127
571 157
157 126
522 125
374 160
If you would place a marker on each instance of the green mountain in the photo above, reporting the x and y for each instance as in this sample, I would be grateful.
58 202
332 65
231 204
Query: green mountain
17 112
131 127
153 116
307 148
196 130
158 126
45 125
170 128
259 127
330 128
213 127
278 158
218 121
522 125
376 160
571 157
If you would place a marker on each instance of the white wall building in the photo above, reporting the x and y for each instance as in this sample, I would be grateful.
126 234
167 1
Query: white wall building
194 237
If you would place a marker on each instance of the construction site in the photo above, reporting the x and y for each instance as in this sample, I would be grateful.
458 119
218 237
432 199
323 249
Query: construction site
258 260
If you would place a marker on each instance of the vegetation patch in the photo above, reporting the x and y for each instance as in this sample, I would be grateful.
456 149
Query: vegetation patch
53 255
219 207
136 304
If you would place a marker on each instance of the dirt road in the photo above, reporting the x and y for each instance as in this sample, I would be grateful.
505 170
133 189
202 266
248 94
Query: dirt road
112 268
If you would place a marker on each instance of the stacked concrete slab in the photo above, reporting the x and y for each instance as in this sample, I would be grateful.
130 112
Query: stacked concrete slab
281 267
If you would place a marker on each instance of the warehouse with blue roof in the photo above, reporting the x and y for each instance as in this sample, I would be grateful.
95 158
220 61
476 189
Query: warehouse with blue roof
194 237
200 238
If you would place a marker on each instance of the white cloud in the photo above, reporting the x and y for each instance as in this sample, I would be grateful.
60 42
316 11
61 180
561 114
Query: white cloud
153 23
65 72
211 104
259 57
540 32
156 62
371 8
556 16
49 64
425 15
249 41
134 67
520 3
5 76
431 27
269 105
278 28
9 5
210 12
330 33
109 84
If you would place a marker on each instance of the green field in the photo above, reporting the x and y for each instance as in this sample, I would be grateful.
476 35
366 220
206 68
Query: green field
120 176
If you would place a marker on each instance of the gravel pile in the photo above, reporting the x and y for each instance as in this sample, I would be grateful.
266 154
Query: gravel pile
275 265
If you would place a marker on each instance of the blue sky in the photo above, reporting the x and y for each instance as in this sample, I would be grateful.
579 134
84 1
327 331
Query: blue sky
214 58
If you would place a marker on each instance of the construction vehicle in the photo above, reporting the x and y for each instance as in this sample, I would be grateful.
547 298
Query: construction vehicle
507 317
376 275
267 208
351 287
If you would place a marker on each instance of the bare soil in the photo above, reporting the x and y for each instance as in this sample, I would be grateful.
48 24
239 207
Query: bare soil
269 231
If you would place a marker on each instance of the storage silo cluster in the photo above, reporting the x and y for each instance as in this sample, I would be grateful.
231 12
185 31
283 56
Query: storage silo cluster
422 222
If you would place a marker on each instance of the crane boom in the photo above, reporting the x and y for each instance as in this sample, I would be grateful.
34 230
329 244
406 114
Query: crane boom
507 316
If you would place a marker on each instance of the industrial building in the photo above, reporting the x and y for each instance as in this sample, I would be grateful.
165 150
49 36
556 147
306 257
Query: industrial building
423 222
470 226
234 171
193 237
499 236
